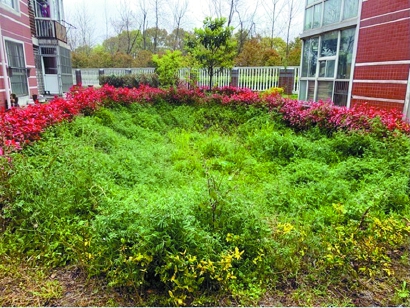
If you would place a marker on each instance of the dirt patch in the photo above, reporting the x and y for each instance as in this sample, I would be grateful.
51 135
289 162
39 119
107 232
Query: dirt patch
22 284
26 285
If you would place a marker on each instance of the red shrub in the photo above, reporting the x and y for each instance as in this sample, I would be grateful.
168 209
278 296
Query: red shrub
21 126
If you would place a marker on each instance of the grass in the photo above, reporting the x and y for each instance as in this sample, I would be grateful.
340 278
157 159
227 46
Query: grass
205 205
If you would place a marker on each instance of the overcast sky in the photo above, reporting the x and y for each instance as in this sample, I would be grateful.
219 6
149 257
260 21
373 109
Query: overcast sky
103 12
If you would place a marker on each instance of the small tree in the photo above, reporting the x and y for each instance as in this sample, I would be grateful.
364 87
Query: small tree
168 67
212 46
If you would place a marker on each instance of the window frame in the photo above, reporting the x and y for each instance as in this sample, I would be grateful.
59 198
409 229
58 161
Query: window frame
14 7
310 10
308 81
17 67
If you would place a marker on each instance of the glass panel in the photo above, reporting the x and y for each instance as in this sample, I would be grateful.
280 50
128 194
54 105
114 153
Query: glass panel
48 51
310 1
18 81
65 60
330 68
310 49
305 58
327 68
15 54
50 65
341 93
345 53
314 42
322 68
311 91
317 16
308 18
10 3
351 8
324 90
329 44
332 11
302 90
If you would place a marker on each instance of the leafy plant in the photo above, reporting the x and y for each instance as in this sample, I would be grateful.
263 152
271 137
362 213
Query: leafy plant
213 46
168 67
198 196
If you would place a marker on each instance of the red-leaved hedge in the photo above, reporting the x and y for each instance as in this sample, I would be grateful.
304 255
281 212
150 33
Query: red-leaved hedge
21 126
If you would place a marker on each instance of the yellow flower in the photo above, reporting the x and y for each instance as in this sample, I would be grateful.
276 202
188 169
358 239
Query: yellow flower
237 254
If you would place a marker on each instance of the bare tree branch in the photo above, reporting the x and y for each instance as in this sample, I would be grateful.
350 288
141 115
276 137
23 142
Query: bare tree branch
179 9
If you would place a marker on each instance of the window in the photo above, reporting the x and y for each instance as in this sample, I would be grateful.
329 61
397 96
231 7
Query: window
313 17
308 18
311 91
326 66
309 62
351 8
324 90
345 53
317 16
328 52
17 68
302 90
10 3
66 71
329 44
332 11
341 92
49 60
65 57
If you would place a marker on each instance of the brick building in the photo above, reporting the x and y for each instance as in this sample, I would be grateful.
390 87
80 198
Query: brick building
17 71
34 55
357 51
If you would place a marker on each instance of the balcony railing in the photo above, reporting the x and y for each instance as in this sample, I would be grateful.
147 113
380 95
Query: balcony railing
47 28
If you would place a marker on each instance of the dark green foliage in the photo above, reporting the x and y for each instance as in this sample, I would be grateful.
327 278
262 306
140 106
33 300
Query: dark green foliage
130 81
199 200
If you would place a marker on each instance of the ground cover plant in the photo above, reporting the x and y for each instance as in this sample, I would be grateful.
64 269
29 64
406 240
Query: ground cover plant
184 197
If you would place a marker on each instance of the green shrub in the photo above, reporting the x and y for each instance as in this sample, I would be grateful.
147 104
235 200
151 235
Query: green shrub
130 81
168 66
203 202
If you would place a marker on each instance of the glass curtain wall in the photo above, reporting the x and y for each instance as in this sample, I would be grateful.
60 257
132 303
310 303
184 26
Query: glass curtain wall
327 66
327 56
320 13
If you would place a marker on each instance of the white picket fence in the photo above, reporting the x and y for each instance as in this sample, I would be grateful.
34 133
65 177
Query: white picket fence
254 78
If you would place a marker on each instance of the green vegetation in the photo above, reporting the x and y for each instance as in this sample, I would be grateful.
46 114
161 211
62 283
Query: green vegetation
168 67
212 46
130 81
212 205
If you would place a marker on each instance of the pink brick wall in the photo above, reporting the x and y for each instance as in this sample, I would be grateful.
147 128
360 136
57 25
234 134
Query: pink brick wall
17 27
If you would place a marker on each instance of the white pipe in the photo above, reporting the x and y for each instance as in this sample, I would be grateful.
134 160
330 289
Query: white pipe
4 69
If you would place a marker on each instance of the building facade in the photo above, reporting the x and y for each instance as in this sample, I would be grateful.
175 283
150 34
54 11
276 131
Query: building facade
52 53
357 51
34 56
17 72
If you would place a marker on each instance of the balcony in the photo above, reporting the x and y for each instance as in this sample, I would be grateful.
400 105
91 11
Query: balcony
50 29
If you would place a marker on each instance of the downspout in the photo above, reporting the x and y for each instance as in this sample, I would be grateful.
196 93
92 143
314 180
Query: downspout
4 69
